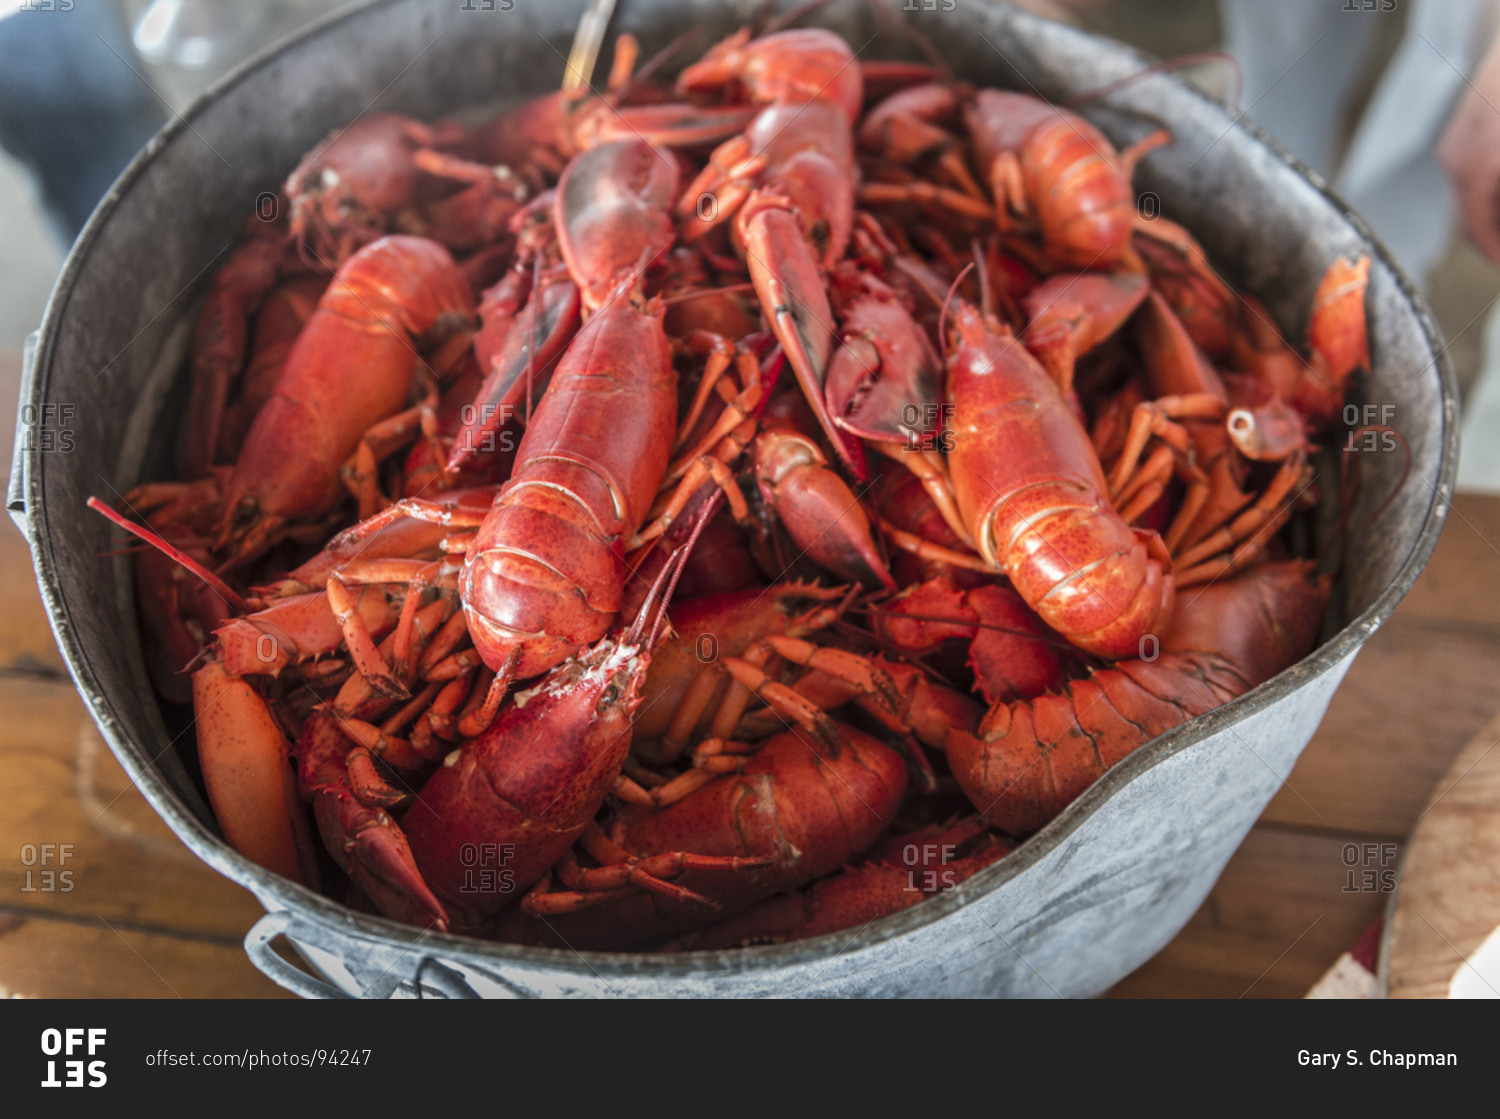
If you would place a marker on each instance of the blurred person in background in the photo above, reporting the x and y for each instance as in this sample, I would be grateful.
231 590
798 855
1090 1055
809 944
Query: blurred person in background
1360 91
73 110
1302 62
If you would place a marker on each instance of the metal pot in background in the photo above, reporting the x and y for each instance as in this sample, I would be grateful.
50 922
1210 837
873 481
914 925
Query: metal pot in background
1083 902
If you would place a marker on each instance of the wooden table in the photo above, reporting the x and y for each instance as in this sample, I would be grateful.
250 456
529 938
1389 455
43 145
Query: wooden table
1448 902
146 919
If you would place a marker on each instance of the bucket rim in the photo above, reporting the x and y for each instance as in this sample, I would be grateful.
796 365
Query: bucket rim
339 920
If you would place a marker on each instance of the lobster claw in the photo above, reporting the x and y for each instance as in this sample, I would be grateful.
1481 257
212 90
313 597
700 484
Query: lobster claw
1337 335
513 340
817 508
376 855
883 381
790 286
367 844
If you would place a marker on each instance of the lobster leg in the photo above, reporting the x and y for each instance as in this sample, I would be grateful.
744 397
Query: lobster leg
926 193
361 647
1158 418
1271 508
619 871
749 676
935 553
787 280
437 720
723 355
359 473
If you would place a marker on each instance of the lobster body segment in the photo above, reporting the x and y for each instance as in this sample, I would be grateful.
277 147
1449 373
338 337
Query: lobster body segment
350 368
1027 481
797 811
1029 760
546 572
1042 157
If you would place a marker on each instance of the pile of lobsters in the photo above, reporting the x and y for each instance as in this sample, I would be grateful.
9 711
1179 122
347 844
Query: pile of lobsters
698 514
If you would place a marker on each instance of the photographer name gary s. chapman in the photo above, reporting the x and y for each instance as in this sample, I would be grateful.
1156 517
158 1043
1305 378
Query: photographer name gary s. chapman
1379 1058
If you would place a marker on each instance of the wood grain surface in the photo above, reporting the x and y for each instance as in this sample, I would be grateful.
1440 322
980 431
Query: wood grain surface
1448 901
145 918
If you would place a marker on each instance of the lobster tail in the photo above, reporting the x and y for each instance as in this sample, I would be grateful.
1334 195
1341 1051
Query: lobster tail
350 368
546 571
1029 760
1049 526
1088 574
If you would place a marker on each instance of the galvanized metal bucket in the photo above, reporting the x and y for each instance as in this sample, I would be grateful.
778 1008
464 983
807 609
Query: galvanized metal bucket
1083 902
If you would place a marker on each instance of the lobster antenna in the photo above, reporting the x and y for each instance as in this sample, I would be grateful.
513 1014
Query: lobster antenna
669 574
943 314
1349 480
215 584
661 58
1182 61
924 45
531 342
710 507
986 297
586 43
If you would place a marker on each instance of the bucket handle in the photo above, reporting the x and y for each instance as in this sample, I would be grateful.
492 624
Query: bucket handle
273 967
430 974
15 493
